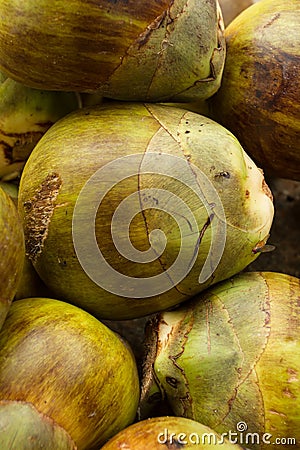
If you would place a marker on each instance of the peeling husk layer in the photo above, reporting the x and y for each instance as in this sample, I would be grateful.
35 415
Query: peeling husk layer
79 376
25 115
143 167
231 356
133 50
12 252
259 96
168 432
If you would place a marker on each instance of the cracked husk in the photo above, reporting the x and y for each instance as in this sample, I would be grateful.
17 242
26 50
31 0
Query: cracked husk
230 355
259 96
179 173
148 51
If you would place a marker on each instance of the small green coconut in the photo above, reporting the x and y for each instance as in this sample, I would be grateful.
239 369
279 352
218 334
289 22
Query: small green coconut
70 367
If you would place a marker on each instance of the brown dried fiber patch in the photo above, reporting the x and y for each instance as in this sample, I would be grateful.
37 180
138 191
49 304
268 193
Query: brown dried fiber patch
38 213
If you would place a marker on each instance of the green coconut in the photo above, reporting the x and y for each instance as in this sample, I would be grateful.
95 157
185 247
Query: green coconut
129 209
230 359
259 96
171 433
72 368
127 50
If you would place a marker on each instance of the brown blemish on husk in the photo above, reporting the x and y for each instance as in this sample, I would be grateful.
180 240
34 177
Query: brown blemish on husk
273 411
266 308
287 393
26 140
7 152
38 213
293 375
145 36
16 148
173 382
261 246
201 234
275 17
186 400
28 135
150 353
266 190
152 349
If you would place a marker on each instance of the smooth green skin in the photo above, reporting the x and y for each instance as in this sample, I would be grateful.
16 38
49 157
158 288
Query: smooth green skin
24 428
130 50
156 434
259 96
232 354
12 251
71 367
86 140
29 284
25 115
11 189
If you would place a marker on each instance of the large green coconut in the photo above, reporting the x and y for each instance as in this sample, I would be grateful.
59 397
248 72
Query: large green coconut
259 96
230 359
129 209
128 50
